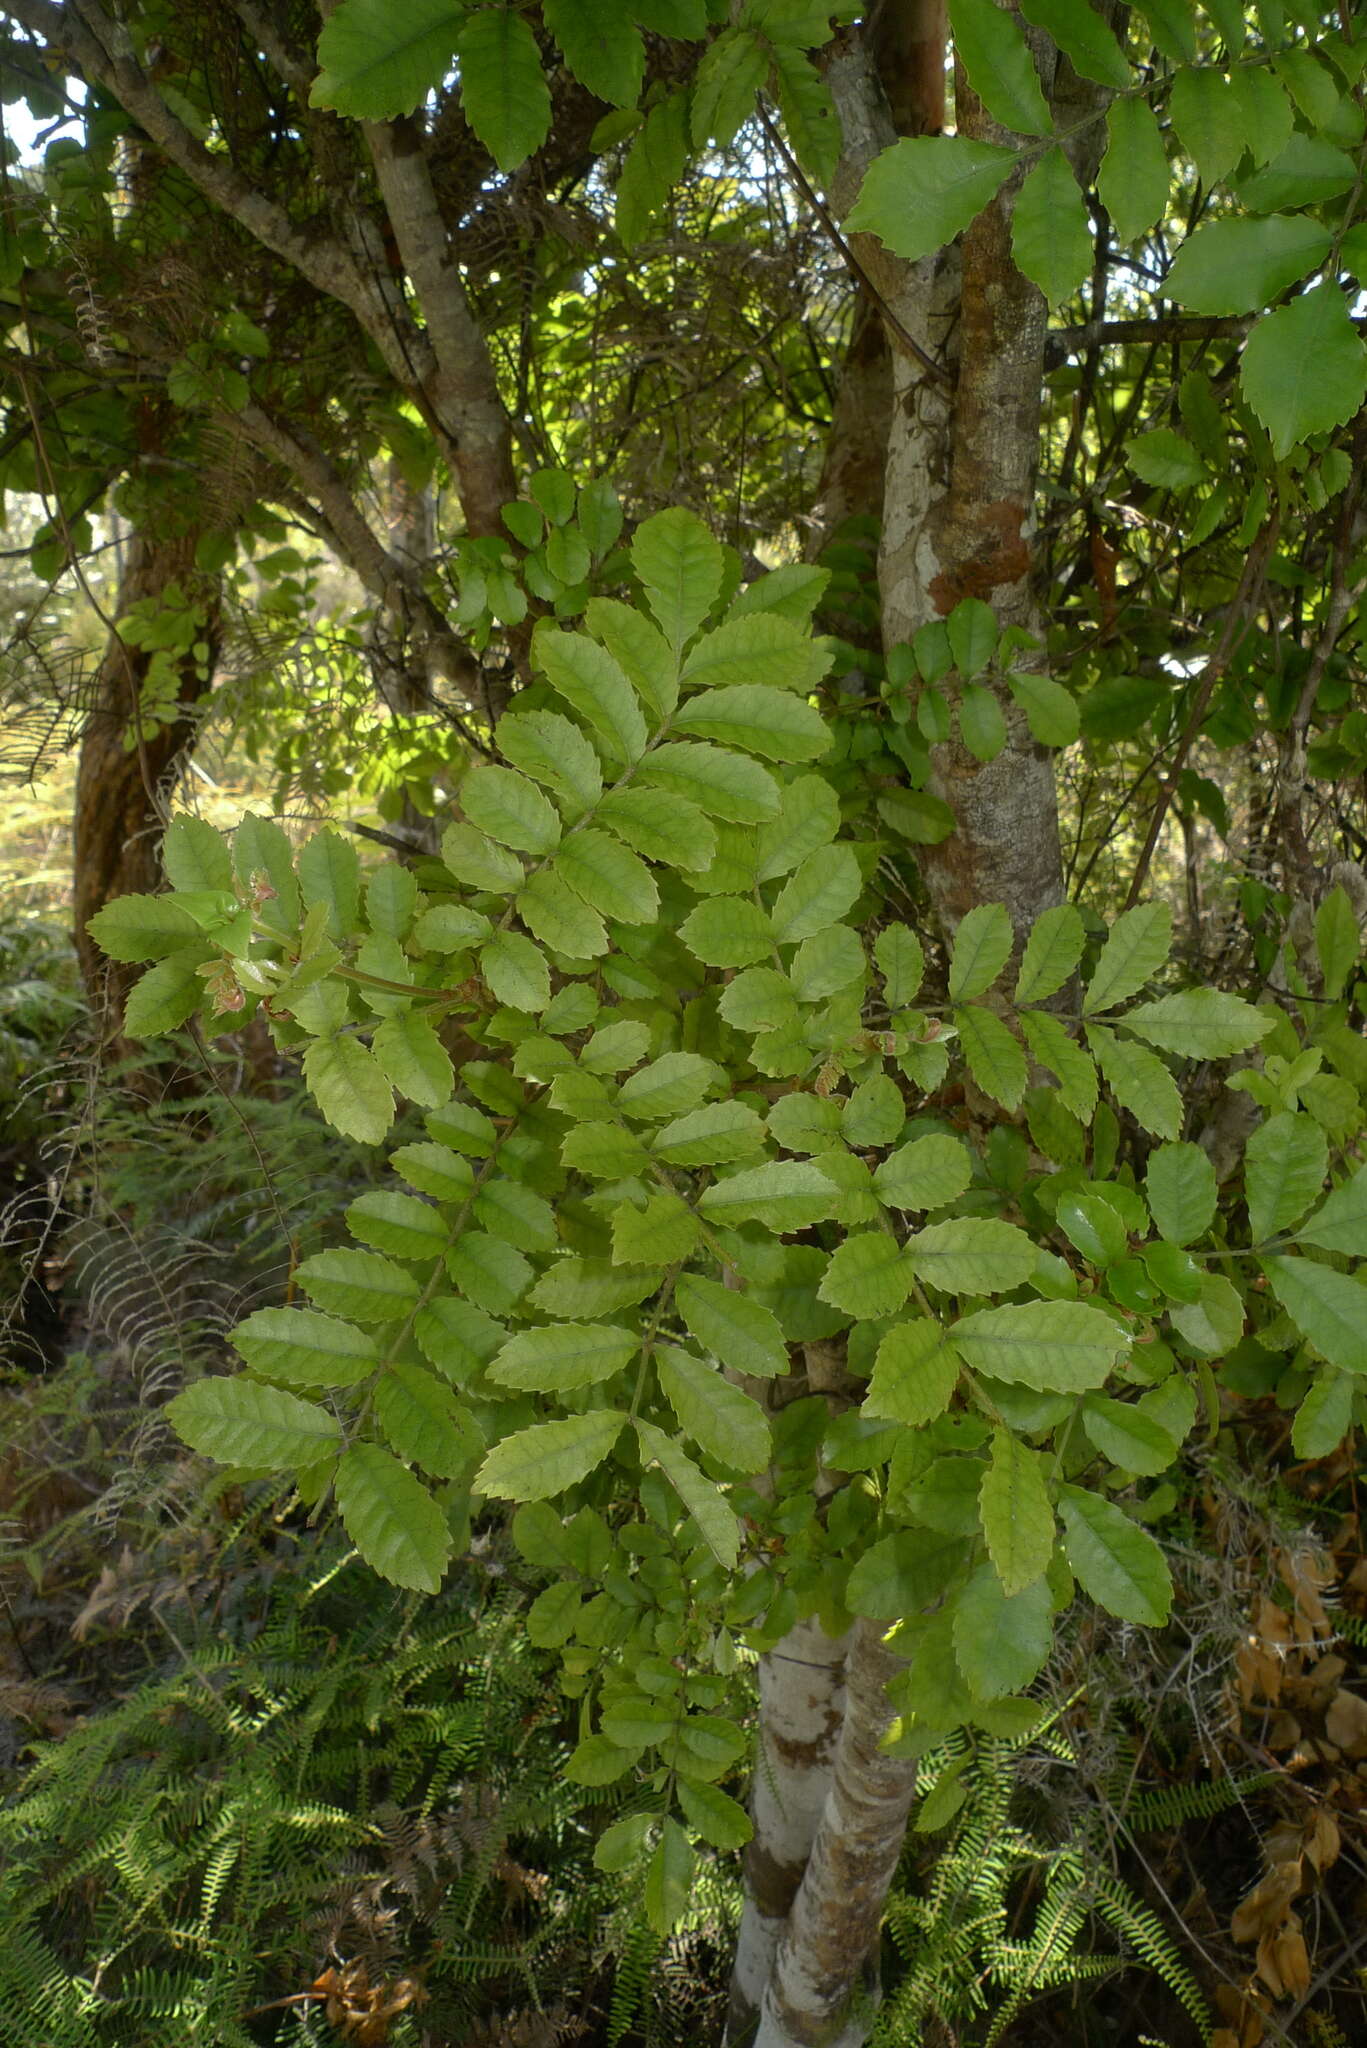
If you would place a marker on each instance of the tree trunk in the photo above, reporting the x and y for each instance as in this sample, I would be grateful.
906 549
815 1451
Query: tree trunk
824 1983
119 810
801 1709
968 532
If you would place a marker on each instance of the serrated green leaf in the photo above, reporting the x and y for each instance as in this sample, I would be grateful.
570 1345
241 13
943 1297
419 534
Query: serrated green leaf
654 165
1214 1322
718 1134
1133 179
410 1055
1208 119
392 1519
732 70
555 753
728 931
1139 1081
589 1288
458 1338
516 972
1326 1307
399 1225
915 1374
1052 1045
1052 951
361 1286
925 1174
608 877
902 1574
593 684
450 928
732 1327
756 650
661 826
1017 1519
305 1349
786 1194
1116 1563
350 1087
704 1502
479 862
167 996
546 1459
1182 1192
818 895
994 1057
1325 1415
1137 945
560 918
921 192
724 1422
757 719
669 1086
239 1422
1340 1224
600 47
901 962
330 874
424 1422
724 785
1128 1435
143 928
989 44
1051 712
195 855
640 650
509 808
920 817
680 568
1051 236
1199 1023
1338 940
982 947
1057 1347
1243 264
663 1232
434 1170
1286 1163
1001 1642
669 1879
1304 368
391 899
719 1819
563 1355
376 65
972 1255
867 1277
1166 459
502 87
1084 38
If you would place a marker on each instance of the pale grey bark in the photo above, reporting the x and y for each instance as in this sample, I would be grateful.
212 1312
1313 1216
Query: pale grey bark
802 1702
823 1988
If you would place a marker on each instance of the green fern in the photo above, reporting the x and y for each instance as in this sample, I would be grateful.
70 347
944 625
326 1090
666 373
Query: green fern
965 1969
354 1785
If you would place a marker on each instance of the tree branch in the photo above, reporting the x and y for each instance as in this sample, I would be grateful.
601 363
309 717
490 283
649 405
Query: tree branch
461 388
103 50
398 587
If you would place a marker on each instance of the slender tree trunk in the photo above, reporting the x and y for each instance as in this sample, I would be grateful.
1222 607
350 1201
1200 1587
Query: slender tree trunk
965 339
824 1983
119 818
801 1711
